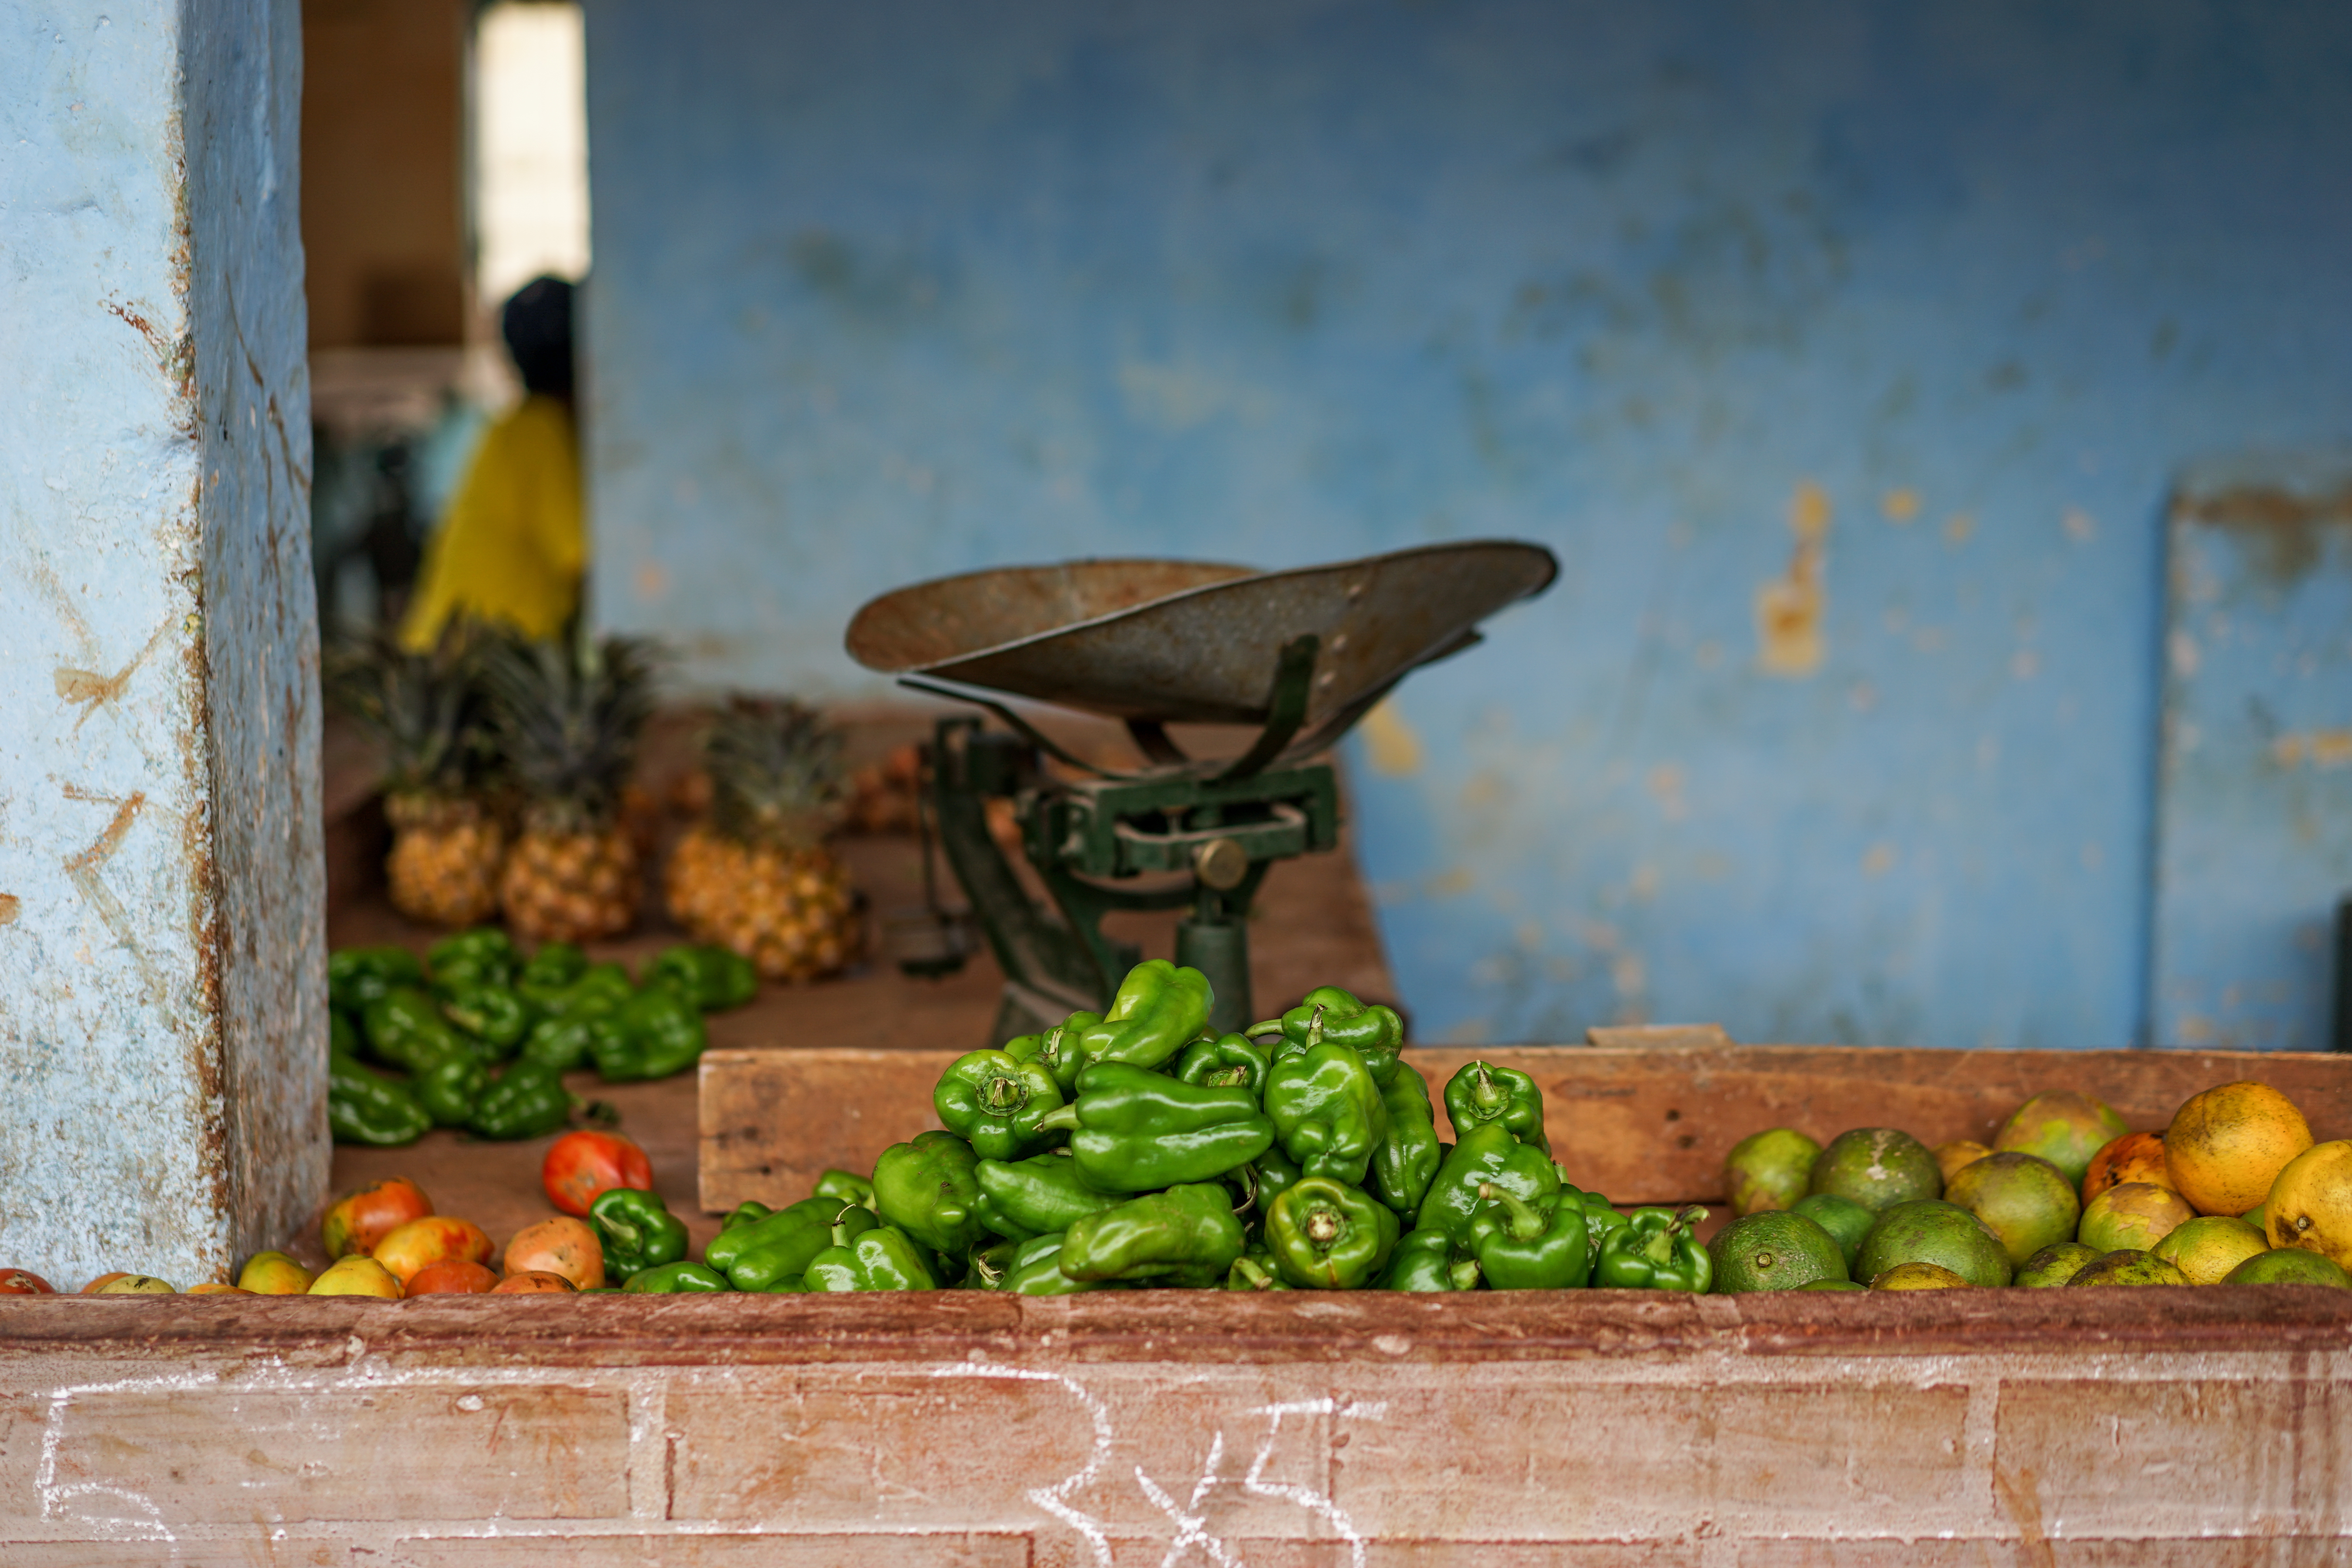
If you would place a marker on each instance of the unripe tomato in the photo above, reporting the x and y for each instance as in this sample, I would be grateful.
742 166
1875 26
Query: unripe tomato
365 1217
561 1245
583 1166
24 1282
453 1277
429 1240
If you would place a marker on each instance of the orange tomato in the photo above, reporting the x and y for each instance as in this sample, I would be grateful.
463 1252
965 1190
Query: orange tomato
581 1167
430 1240
560 1246
452 1276
24 1282
2134 1157
365 1217
534 1282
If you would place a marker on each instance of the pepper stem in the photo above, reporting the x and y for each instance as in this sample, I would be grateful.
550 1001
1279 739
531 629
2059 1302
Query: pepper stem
1324 1226
1315 1027
1000 1093
1059 1118
1519 1216
1259 1280
1483 1092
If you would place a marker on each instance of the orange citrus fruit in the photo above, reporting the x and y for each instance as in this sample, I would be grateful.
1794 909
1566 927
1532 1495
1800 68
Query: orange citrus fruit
2226 1146
2134 1157
2310 1203
1956 1154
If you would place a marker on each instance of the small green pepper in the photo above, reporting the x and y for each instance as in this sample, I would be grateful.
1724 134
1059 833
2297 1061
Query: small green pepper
358 976
882 1258
552 969
636 1230
526 1101
1158 1011
561 1044
654 1034
989 1266
1139 1130
1424 1260
677 1278
1327 1013
1229 1059
995 1102
926 1188
1270 1174
1406 1161
1059 1050
1186 1236
482 956
1255 1269
450 1088
848 1185
712 978
1486 1153
1040 1196
495 1017
1600 1219
365 1107
1522 1246
772 1251
1037 1271
1328 1114
405 1029
1326 1235
1483 1094
1656 1250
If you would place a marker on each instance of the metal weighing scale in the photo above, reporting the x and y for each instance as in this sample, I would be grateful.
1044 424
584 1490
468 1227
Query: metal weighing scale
1301 654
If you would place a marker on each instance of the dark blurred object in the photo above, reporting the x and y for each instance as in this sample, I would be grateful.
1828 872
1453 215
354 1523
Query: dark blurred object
537 325
883 796
2341 1039
363 509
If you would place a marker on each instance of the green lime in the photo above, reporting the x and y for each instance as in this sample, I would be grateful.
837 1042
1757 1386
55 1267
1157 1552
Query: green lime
2053 1265
2024 1200
1846 1221
1832 1284
2289 1265
2126 1265
1931 1231
1773 1250
1918 1277
1768 1169
2132 1216
1877 1167
2064 1128
2258 1216
2207 1248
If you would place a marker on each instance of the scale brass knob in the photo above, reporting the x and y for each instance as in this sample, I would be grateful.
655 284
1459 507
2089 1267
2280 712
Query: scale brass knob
1222 863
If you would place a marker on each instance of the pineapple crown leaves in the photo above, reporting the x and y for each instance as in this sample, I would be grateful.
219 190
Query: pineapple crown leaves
425 708
568 714
775 771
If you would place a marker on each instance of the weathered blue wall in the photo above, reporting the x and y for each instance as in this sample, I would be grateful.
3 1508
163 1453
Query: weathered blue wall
1843 353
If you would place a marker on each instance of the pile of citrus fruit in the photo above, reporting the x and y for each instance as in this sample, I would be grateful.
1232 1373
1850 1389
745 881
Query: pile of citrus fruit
2234 1190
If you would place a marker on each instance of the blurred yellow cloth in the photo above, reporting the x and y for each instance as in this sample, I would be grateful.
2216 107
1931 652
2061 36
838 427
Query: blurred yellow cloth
513 546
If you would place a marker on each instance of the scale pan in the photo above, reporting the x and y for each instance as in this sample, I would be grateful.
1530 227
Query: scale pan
1195 642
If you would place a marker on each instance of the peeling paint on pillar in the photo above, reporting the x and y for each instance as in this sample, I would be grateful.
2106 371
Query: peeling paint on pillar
162 965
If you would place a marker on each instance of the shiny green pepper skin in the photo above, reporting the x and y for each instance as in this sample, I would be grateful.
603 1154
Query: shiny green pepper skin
1158 1011
1185 1236
654 1034
482 956
926 1188
636 1231
1328 1235
1486 1153
562 1044
994 1102
493 1017
712 979
1521 1246
1233 1060
1037 1271
450 1088
1139 1130
1407 1159
1656 1250
1424 1260
552 969
365 1107
882 1258
526 1101
1040 1196
772 1251
404 1028
848 1185
358 976
679 1279
1058 1049
1327 1013
1484 1094
1328 1114
989 1266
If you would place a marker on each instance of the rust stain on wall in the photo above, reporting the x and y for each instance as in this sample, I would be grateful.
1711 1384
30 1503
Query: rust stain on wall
2283 530
11 906
1789 608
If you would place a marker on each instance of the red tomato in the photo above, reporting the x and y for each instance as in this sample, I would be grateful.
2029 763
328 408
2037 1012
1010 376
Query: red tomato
452 1275
365 1217
583 1166
24 1282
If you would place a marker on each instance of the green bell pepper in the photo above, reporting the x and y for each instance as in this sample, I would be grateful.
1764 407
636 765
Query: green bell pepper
601 987
1600 1219
1158 1011
358 976
636 1231
1037 1271
1255 1269
1406 1161
1327 1013
926 1188
365 1107
1040 1196
772 1251
405 1029
654 1034
1186 1236
711 978
494 1017
1486 1153
563 1044
1139 1130
1482 1094
1522 1246
1060 1049
342 1035
552 969
1326 1235
882 1258
1327 1111
995 1102
482 956
1656 1250
1424 1260
848 1185
450 1088
990 1265
746 1213
679 1279
1233 1060
527 1102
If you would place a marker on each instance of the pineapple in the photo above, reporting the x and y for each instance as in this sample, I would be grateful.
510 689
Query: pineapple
755 874
447 843
569 715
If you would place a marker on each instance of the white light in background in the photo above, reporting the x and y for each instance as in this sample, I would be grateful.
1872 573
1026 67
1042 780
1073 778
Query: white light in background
531 146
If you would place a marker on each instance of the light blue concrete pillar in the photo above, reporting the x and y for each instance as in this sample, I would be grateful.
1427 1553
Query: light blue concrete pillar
161 886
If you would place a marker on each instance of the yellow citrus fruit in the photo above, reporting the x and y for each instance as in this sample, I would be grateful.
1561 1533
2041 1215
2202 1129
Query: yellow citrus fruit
2226 1146
2137 1214
2310 1203
1919 1276
1959 1152
2207 1248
